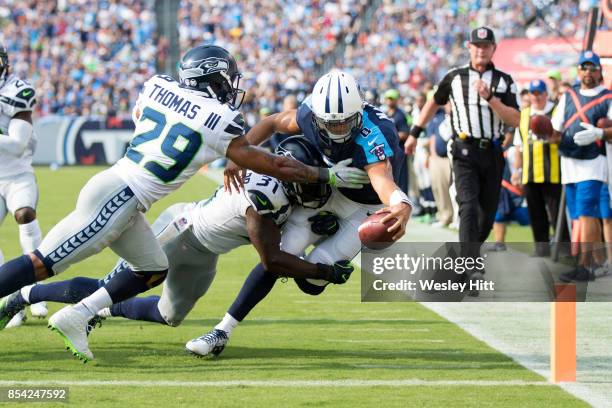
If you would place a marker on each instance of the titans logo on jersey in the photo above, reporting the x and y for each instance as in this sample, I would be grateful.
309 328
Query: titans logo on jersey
377 141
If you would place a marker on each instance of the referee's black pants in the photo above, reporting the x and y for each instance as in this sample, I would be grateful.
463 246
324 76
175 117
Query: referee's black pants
477 173
543 206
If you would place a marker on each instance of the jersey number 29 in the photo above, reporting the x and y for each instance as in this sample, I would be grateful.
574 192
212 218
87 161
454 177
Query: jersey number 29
181 157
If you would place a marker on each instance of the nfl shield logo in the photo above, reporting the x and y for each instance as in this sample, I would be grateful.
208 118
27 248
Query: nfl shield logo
481 33
588 54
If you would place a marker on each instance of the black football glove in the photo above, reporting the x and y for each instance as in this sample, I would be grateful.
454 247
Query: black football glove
324 223
339 272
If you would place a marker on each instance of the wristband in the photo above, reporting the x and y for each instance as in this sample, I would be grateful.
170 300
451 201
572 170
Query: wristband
398 196
327 271
490 97
415 131
324 175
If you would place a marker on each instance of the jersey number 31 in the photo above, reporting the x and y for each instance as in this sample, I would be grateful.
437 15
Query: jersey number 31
181 157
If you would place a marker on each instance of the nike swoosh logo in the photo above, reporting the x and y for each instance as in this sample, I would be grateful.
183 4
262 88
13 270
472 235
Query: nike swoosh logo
26 93
262 202
370 143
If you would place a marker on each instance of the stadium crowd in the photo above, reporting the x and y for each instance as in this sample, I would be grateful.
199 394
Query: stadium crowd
98 52
90 57
83 57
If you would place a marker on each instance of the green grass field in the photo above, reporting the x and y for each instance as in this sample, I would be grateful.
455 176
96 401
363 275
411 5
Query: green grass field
289 337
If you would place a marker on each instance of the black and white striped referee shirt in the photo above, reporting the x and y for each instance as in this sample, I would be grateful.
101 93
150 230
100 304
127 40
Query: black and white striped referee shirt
470 114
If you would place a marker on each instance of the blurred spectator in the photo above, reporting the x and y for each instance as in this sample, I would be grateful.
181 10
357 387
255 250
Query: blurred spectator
413 184
511 207
536 168
440 132
553 81
82 56
583 165
401 125
525 101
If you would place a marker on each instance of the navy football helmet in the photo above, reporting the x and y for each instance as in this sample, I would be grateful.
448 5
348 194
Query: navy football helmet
308 195
212 70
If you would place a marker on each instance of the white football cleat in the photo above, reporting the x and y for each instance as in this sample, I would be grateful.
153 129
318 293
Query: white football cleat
212 343
39 310
17 320
72 326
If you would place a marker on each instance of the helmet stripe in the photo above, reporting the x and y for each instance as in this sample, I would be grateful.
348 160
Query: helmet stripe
327 108
340 107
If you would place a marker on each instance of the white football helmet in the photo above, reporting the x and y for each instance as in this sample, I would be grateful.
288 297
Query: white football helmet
337 106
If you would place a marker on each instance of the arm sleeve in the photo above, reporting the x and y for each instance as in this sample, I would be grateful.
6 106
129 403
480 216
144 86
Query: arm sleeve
557 117
373 149
510 97
444 89
19 135
232 126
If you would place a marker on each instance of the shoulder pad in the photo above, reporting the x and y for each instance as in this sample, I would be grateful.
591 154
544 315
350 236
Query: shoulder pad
17 96
265 193
308 101
234 123
158 79
304 114
164 77
260 201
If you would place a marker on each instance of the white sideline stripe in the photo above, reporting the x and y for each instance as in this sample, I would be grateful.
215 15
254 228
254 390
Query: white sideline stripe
282 383
374 341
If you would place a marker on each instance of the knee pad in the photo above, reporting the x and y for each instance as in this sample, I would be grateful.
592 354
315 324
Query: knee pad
172 320
152 278
25 215
308 287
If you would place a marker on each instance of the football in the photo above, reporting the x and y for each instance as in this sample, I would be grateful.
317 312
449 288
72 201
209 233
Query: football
604 123
373 233
541 126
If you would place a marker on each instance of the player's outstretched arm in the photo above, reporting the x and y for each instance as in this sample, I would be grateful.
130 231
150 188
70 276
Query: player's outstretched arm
265 237
381 177
283 168
283 122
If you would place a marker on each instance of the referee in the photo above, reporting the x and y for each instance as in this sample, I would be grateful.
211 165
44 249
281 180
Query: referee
483 103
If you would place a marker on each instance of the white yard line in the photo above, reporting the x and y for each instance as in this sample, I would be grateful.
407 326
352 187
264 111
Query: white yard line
277 383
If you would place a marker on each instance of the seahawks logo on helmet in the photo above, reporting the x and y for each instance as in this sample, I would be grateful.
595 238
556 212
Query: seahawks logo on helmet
204 67
213 71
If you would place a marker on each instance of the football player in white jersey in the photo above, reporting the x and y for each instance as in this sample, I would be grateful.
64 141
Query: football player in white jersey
193 235
180 126
18 190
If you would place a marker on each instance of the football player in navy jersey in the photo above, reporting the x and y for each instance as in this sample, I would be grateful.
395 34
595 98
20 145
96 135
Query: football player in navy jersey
346 131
